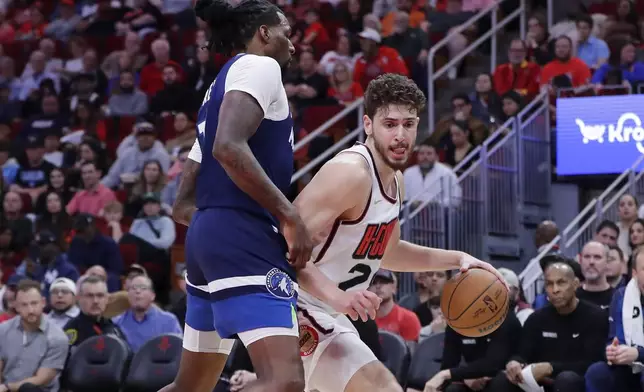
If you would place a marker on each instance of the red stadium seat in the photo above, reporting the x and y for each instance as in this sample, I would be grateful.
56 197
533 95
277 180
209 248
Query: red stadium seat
121 196
27 206
167 128
314 116
181 232
130 254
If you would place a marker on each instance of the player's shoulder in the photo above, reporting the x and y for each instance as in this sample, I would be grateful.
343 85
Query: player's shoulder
254 62
350 167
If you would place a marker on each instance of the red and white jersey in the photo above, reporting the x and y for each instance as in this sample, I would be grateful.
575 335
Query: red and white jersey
353 250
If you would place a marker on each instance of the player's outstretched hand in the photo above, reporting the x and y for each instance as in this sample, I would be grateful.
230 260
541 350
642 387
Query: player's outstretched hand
357 304
469 262
299 241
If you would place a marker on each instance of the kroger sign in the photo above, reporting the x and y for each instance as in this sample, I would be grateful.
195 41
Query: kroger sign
599 135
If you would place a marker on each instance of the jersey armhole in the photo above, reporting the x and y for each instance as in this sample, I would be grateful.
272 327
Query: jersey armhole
366 207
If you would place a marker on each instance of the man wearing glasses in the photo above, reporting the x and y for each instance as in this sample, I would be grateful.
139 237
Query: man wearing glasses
92 299
144 320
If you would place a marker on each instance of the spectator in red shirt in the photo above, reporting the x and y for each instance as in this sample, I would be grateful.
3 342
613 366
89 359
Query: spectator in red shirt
518 74
315 33
34 27
375 59
566 64
94 197
152 74
391 316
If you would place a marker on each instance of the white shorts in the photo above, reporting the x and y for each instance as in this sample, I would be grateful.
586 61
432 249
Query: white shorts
331 350
211 342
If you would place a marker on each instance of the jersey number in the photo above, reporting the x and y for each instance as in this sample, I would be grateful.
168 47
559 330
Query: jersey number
363 271
374 241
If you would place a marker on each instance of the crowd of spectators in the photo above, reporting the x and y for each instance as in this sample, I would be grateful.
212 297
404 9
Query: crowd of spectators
98 101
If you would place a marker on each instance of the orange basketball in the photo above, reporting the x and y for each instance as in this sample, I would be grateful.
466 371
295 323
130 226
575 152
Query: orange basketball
475 303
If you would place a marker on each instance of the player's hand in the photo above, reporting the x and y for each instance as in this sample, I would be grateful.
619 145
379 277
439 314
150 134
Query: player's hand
298 239
357 304
513 372
625 355
477 384
469 262
611 351
436 383
240 379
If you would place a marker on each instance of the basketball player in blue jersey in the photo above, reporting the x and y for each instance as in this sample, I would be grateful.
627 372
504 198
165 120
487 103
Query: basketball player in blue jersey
245 239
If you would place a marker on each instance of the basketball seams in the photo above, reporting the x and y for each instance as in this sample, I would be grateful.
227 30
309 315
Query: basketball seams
449 303
493 315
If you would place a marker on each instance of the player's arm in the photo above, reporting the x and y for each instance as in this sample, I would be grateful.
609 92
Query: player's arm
184 204
403 256
251 88
341 186
239 117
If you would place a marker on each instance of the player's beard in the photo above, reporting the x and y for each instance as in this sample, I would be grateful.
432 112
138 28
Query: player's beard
383 151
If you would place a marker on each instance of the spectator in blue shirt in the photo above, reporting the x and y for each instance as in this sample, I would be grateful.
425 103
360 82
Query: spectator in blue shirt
621 369
145 320
49 264
89 247
622 58
591 50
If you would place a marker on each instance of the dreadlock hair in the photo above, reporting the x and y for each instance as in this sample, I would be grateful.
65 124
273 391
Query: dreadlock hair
232 26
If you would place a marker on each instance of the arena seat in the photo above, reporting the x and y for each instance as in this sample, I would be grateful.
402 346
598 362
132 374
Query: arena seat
426 361
154 365
98 365
396 355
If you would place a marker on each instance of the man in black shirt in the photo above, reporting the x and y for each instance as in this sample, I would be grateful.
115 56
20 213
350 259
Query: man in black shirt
559 341
33 176
595 288
483 356
309 87
93 297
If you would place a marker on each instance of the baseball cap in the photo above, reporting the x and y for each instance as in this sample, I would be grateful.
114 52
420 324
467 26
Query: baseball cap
15 279
47 237
151 197
136 268
510 277
34 141
370 34
144 127
385 275
83 221
63 283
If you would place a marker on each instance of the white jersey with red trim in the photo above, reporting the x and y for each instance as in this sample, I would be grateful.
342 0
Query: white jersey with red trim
353 250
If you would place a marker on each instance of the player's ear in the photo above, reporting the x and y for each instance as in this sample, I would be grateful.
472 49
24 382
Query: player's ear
264 33
368 125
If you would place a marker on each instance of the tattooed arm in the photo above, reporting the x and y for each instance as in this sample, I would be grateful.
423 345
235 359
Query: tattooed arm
239 117
184 204
253 85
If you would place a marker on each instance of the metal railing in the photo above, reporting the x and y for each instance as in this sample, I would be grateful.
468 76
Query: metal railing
489 193
582 228
490 11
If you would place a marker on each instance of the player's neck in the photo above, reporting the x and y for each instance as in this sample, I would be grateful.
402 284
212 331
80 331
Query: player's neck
386 173
257 50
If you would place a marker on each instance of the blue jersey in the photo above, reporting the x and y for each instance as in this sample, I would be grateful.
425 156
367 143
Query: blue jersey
238 278
272 144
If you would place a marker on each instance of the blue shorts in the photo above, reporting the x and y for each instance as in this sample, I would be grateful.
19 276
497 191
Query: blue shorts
238 278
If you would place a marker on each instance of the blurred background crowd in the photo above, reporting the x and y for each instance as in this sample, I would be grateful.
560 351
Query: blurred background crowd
98 103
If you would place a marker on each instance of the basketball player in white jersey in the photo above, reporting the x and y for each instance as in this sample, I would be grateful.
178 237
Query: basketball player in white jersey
352 207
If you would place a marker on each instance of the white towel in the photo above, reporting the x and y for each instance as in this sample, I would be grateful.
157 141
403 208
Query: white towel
632 320
529 384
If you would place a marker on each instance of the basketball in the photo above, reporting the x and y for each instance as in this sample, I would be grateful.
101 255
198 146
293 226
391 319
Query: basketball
475 303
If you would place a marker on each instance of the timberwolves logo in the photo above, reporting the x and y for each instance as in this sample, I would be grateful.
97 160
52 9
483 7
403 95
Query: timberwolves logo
279 284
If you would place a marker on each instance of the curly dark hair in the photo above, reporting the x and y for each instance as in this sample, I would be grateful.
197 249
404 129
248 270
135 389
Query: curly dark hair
233 26
392 89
